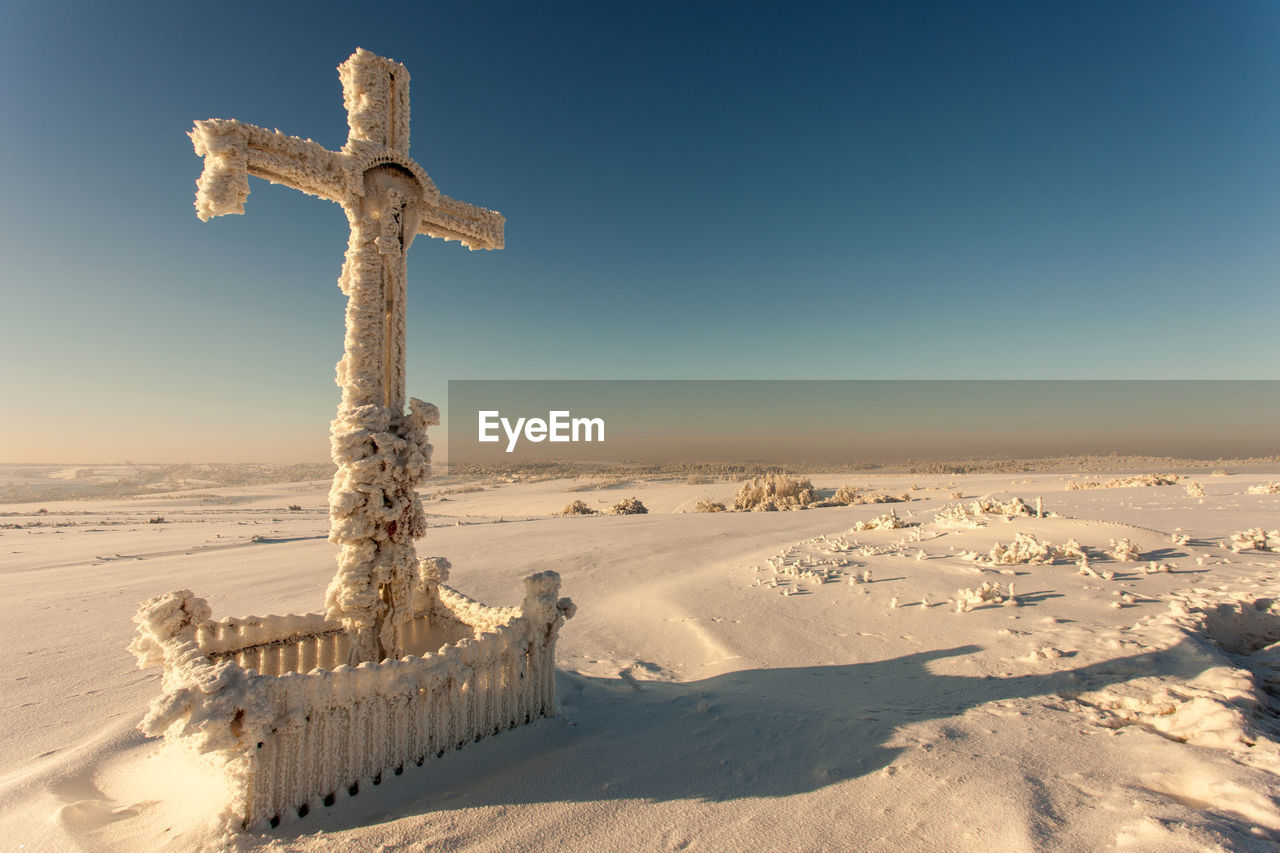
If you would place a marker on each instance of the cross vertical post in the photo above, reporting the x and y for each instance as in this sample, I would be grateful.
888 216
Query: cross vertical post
380 449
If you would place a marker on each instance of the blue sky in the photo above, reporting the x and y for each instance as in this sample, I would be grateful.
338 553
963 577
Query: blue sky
692 190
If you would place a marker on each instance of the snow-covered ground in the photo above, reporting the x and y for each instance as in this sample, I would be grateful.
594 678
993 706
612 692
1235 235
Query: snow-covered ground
731 681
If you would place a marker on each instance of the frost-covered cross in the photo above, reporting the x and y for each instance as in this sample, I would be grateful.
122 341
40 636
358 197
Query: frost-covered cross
381 452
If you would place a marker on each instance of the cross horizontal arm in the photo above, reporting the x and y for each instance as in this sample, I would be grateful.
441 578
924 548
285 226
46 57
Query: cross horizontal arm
474 227
233 150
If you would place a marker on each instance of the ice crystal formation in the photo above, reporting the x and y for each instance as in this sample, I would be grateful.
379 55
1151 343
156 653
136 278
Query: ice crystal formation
398 667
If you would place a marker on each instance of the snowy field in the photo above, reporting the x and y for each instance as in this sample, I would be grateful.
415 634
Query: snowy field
732 680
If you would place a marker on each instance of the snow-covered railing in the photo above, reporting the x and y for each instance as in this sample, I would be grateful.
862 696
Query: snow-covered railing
264 701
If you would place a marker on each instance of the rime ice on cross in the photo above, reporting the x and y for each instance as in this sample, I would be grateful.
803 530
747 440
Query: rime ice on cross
381 452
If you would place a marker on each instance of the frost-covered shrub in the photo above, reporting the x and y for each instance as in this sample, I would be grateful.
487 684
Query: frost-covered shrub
630 506
697 479
708 505
578 508
1257 539
157 519
1073 550
1124 551
957 515
967 599
1194 489
995 506
774 491
888 521
1264 489
845 495
853 496
1127 482
1025 548
881 498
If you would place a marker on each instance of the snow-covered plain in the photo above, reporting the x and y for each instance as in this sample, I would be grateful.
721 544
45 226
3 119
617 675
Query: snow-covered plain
732 680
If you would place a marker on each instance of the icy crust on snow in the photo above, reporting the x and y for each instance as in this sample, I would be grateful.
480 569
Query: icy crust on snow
1233 642
282 739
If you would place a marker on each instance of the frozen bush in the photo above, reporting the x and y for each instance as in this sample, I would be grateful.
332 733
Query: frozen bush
957 515
629 506
845 495
853 496
708 505
578 508
1257 539
774 491
995 506
1073 550
1194 489
960 515
967 599
1264 489
888 521
1127 482
1124 551
1025 548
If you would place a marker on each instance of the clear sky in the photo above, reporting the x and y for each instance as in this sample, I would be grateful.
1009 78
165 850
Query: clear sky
692 190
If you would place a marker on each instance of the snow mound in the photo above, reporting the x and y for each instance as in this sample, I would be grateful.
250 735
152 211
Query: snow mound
1221 689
